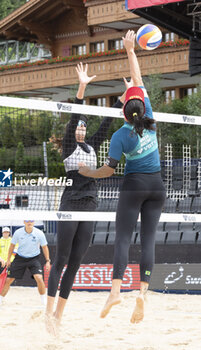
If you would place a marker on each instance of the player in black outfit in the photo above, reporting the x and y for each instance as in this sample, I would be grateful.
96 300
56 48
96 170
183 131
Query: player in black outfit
73 238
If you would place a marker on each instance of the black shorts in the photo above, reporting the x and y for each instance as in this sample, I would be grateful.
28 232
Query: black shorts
19 265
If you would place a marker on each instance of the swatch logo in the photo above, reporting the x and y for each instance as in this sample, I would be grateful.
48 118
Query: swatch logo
189 218
59 215
63 107
63 216
188 119
59 106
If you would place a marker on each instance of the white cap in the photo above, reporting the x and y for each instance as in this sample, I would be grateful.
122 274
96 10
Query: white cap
5 229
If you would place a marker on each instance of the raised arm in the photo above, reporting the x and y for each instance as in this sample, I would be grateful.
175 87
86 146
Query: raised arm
129 44
69 141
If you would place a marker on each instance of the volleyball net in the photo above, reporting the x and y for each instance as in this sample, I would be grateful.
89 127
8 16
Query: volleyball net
38 149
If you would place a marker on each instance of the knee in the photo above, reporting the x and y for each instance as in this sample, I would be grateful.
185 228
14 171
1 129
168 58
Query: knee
38 278
9 281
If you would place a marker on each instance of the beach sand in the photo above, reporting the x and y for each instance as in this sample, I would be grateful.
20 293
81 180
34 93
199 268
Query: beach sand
171 321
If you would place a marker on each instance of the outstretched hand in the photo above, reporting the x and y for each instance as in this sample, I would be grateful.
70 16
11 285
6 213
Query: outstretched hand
83 75
127 83
129 40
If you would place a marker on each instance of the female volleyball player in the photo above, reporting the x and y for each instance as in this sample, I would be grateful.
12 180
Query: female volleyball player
73 238
142 191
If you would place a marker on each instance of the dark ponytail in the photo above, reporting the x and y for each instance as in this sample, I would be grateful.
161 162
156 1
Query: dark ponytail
134 113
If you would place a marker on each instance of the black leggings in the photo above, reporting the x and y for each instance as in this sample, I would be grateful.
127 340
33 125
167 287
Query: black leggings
145 194
73 239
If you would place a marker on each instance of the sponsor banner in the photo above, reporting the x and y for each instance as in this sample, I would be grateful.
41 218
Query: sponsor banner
136 4
99 277
176 277
164 277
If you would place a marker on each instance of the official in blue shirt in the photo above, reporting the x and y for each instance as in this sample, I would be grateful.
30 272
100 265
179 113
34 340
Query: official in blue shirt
29 239
142 191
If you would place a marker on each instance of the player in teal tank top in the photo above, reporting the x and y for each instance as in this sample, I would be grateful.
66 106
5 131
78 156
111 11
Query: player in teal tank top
142 191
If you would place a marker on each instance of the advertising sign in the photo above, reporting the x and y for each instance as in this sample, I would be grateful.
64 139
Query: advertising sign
136 4
164 277
176 277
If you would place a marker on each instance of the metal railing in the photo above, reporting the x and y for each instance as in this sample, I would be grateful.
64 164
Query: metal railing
12 52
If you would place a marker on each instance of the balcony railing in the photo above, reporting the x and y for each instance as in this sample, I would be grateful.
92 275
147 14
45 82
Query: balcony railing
12 52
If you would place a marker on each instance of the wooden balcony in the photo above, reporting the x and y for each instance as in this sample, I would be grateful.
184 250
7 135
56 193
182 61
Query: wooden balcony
107 13
163 60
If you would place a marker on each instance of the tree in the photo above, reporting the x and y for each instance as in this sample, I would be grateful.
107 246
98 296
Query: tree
7 6
19 158
6 132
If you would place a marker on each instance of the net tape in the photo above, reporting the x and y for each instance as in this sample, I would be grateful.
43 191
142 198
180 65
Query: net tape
19 215
91 110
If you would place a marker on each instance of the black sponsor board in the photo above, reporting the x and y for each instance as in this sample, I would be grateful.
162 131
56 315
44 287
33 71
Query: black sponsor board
176 277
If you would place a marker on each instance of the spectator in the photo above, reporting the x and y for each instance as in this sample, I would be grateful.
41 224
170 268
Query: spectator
4 246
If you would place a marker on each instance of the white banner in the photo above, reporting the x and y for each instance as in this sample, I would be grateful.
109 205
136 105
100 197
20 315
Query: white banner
39 215
90 110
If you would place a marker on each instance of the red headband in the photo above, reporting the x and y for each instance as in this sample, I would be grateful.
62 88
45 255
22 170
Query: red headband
134 93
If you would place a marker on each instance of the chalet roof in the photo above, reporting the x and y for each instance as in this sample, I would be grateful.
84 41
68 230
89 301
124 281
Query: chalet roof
36 20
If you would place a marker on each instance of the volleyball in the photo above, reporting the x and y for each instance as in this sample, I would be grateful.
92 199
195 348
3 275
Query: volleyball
149 37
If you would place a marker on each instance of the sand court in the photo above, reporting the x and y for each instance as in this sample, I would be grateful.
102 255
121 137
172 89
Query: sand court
171 321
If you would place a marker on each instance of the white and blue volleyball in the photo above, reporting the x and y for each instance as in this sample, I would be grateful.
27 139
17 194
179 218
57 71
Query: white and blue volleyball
149 37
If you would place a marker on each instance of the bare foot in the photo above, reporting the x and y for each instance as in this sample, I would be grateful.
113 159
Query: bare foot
112 300
52 325
138 313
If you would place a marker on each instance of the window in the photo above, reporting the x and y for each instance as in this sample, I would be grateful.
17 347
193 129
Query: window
79 50
169 95
113 100
191 91
99 101
97 47
115 44
187 91
21 201
169 37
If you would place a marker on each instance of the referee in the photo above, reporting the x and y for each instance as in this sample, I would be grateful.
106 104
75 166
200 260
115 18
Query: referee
142 190
29 239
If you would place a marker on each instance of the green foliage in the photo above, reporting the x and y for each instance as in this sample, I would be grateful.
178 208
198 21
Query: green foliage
56 169
42 126
6 132
178 134
19 158
7 6
7 158
154 91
